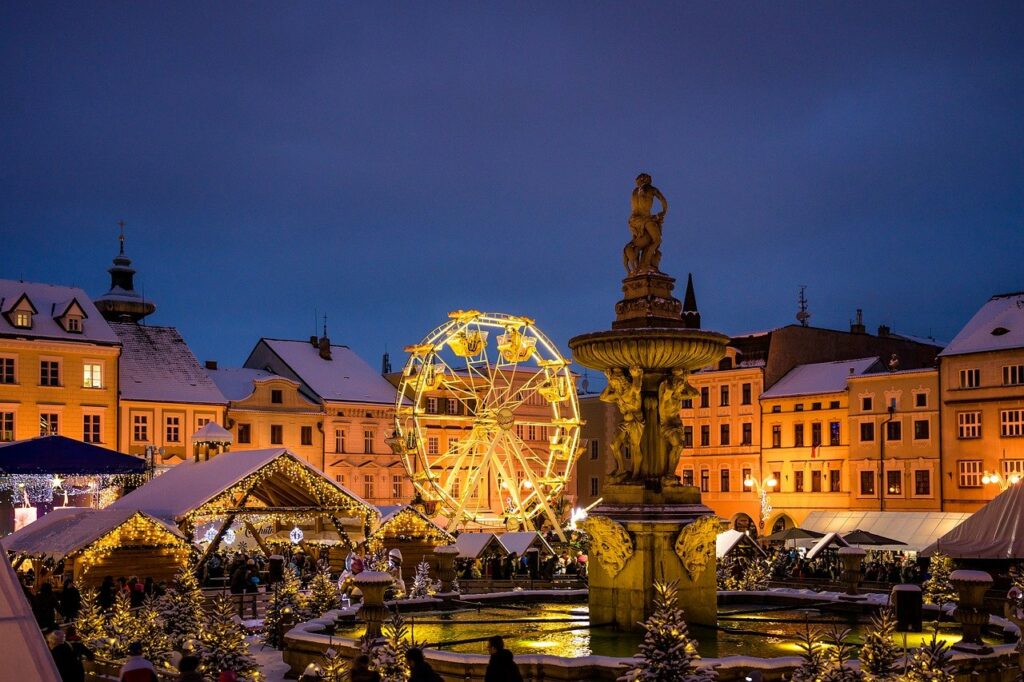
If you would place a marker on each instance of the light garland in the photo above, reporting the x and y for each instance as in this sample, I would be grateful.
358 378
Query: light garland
40 488
409 524
142 533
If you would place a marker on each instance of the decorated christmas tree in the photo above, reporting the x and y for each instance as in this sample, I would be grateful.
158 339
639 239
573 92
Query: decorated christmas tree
878 654
333 667
938 589
726 573
422 585
813 661
838 653
286 603
91 623
182 609
387 654
156 645
122 627
667 653
223 644
323 594
756 573
931 662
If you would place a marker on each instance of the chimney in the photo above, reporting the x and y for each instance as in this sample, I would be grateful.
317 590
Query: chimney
883 330
857 327
325 348
313 341
211 364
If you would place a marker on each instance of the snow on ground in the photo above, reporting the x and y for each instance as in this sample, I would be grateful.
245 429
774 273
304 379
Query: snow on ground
273 667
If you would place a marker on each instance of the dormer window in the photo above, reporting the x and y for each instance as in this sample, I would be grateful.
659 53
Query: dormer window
74 324
70 316
22 319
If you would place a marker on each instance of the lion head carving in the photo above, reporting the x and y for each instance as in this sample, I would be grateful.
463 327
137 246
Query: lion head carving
696 545
609 543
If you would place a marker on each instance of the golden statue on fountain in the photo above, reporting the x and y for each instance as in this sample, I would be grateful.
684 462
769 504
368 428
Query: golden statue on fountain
643 252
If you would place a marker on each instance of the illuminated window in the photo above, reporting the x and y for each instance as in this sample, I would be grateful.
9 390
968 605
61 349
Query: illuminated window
49 424
91 428
49 373
92 375
867 483
6 427
431 405
968 425
140 428
23 319
970 473
173 430
894 483
743 481
687 477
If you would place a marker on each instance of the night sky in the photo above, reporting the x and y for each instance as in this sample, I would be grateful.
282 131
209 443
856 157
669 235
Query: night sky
387 164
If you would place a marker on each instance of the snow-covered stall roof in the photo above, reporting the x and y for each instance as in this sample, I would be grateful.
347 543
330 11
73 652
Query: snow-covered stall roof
728 540
474 545
916 529
190 485
829 540
69 530
393 512
820 377
345 377
996 531
50 302
998 325
156 364
520 543
212 432
26 656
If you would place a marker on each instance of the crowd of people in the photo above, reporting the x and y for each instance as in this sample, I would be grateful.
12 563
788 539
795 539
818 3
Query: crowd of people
878 567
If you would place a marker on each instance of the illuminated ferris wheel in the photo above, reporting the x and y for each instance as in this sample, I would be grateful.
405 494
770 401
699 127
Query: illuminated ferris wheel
487 421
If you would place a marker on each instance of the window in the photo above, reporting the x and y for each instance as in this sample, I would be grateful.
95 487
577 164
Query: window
705 480
835 484
816 434
798 435
49 424
799 407
687 436
276 434
704 396
49 373
970 378
833 433
921 429
833 405
747 436
453 445
815 481
894 430
451 406
368 486
91 428
6 427
867 432
340 478
433 445
923 482
776 408
201 422
594 486
746 477
92 375
745 394
7 375
456 488
368 441
73 324
776 435
244 433
23 319
723 434
306 435
798 481
893 482
339 440
140 428
520 431
1011 423
431 405
815 406
531 432
724 480
687 478
970 473
867 483
595 449
1013 467
920 400
777 476
276 396
1013 375
723 394
173 430
866 403
705 435
968 425
687 404
397 487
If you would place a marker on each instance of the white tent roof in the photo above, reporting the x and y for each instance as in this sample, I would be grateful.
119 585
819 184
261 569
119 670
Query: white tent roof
473 545
519 543
996 531
212 432
828 540
26 656
916 529
70 529
728 539
191 484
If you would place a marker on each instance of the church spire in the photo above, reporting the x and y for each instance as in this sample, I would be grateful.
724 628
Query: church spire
122 303
690 314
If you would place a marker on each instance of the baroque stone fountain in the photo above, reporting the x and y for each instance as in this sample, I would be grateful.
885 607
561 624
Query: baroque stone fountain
649 526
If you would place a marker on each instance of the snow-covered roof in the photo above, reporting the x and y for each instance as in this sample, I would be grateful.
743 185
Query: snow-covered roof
828 540
71 529
916 529
26 656
50 302
238 383
156 364
727 541
819 377
212 432
345 377
189 485
519 543
998 325
473 545
390 512
996 531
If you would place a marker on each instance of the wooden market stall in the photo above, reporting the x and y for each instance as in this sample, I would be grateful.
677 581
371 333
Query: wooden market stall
94 543
407 529
481 554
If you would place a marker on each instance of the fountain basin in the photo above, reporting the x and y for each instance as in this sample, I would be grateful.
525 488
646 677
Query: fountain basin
652 348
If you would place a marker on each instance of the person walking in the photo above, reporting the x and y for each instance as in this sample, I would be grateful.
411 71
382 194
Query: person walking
419 669
70 601
69 666
361 670
137 668
44 607
502 667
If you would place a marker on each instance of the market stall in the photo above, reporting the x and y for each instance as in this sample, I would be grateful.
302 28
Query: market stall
407 529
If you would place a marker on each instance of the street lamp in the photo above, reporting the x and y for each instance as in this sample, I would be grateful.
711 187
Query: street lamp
995 479
762 489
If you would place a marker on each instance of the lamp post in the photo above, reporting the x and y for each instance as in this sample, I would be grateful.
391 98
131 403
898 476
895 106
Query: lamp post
994 478
762 489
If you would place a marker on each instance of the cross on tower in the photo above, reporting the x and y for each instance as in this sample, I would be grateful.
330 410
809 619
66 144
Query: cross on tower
120 223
